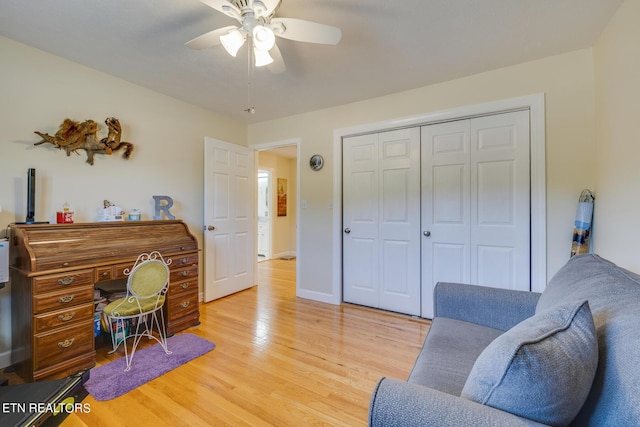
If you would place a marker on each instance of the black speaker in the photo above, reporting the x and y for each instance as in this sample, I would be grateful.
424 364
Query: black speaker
31 199
31 196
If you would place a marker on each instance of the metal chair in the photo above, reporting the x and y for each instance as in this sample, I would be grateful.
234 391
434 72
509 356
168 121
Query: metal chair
140 311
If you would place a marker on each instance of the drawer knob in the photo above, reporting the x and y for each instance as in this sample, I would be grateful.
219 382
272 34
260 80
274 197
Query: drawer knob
66 317
185 285
105 273
66 280
184 273
66 343
184 260
65 299
66 264
185 304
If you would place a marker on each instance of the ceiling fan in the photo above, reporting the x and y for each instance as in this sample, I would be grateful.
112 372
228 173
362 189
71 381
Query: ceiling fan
259 24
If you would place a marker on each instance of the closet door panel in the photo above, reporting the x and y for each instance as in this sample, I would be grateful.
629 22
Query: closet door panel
500 201
496 266
445 165
400 220
361 220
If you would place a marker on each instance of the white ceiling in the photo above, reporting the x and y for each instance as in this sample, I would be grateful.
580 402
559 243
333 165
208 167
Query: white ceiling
387 46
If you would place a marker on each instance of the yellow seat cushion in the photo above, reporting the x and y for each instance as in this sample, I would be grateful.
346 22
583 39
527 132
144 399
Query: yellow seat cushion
129 306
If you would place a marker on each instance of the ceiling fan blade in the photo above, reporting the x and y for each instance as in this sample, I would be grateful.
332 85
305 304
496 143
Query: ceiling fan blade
305 31
277 66
212 38
223 6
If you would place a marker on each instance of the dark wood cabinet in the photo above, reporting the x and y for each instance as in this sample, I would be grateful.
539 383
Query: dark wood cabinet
54 269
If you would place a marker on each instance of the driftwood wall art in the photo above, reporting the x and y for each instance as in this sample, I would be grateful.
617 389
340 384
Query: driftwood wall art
73 136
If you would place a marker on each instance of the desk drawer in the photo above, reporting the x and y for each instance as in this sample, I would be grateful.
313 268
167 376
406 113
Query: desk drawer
182 305
58 282
104 274
184 273
120 269
180 261
187 286
54 319
59 300
59 346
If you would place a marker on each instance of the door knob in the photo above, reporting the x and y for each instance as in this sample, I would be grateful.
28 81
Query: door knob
211 228
347 230
427 233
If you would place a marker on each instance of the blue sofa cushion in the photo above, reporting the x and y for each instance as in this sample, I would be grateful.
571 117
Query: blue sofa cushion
542 368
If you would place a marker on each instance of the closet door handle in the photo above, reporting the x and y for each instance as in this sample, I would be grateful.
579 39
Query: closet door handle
347 230
426 233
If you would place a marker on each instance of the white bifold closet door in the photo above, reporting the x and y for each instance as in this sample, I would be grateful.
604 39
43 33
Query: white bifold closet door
476 203
442 202
381 220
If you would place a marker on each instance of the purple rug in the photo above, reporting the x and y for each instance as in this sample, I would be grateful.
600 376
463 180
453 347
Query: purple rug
109 381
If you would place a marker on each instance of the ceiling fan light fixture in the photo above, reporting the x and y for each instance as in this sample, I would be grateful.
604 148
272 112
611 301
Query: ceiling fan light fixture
231 11
278 28
262 57
232 41
259 8
263 37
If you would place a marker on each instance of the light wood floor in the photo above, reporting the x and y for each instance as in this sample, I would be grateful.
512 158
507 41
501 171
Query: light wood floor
279 360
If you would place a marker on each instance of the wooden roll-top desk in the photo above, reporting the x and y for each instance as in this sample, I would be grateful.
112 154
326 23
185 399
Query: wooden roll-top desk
54 271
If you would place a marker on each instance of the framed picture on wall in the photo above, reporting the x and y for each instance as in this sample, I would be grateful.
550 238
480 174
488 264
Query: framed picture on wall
282 197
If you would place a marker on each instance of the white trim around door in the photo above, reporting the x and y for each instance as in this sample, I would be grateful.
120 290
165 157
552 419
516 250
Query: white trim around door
535 105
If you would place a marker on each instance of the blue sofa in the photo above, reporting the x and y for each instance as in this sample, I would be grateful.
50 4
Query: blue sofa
495 357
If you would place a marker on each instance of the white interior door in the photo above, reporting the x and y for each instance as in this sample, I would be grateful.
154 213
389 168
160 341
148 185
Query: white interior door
229 213
381 220
476 203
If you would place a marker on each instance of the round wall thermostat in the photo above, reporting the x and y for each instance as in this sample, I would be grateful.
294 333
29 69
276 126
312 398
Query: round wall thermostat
316 162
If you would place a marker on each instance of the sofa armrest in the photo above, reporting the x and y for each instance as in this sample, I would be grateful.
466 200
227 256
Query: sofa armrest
493 307
401 404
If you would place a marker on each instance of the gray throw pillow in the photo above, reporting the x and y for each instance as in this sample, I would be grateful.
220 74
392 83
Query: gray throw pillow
540 369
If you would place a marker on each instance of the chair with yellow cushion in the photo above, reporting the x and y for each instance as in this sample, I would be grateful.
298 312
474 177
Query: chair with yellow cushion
140 311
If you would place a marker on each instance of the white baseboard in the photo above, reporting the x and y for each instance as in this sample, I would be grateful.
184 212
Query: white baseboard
5 359
318 296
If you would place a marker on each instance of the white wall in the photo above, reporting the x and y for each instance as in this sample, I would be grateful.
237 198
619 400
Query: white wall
568 83
39 90
617 205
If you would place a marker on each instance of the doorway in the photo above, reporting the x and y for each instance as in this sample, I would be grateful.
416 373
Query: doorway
265 213
276 216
